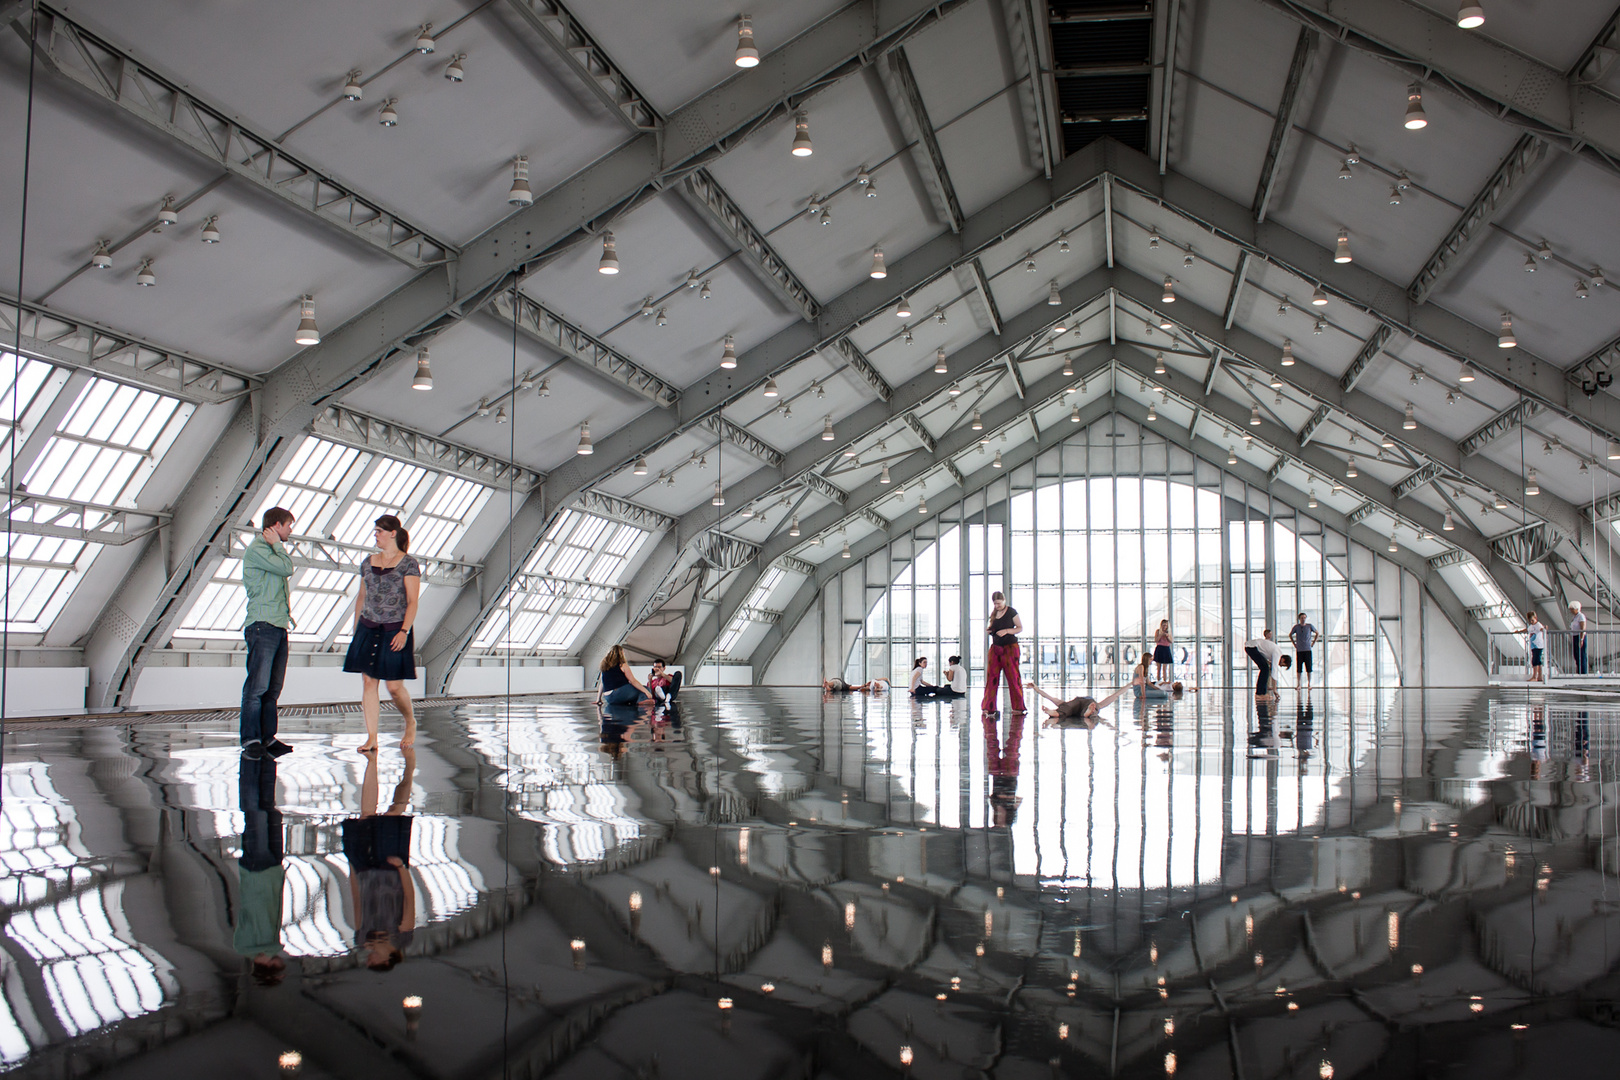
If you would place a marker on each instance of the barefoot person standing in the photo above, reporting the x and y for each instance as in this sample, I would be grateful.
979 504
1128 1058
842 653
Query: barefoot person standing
384 648
1004 627
1304 635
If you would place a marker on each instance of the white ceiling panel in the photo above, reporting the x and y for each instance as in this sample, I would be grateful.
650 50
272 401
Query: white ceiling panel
985 153
1556 32
1218 141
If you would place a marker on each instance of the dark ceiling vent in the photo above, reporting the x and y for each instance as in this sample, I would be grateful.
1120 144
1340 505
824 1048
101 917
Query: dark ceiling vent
1102 53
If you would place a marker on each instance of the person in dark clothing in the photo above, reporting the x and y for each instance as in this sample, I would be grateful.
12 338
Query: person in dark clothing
1003 627
266 571
619 684
1001 762
919 689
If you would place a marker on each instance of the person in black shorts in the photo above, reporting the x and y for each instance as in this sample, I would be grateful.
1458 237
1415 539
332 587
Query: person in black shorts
1304 636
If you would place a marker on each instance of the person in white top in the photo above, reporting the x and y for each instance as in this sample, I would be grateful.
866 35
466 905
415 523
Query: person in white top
1536 635
955 677
1577 636
920 689
1265 654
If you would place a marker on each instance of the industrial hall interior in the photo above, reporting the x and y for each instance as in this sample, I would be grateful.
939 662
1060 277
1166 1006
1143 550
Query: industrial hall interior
807 512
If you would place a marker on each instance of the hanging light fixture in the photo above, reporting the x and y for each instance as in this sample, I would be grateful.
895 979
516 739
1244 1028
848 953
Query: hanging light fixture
1470 16
1449 524
1415 117
1288 353
500 414
307 333
1395 195
1311 502
826 429
1152 413
883 477
801 134
770 388
1393 546
719 496
521 194
424 373
1337 487
1350 471
1169 290
846 553
956 389
995 463
728 353
144 276
1341 251
1467 373
453 71
1531 487
1410 423
1061 327
1344 170
352 89
878 271
663 317
978 421
1153 240
424 39
747 51
1499 503
1074 415
1165 323
1386 441
166 215
1068 367
1276 381
1158 364
939 361
793 529
1506 340
101 258
1319 297
922 504
1231 455
640 467
903 308
609 263
387 116
1254 416
585 449
210 230
1053 297
1029 263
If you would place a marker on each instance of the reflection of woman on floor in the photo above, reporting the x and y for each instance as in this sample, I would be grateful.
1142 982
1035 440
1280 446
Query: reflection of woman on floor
1001 762
920 689
1083 710
378 847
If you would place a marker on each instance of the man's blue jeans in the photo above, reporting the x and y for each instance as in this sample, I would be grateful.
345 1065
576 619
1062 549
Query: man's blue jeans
266 670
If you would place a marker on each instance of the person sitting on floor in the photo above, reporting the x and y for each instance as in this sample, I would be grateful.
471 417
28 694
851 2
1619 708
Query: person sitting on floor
919 689
663 683
955 679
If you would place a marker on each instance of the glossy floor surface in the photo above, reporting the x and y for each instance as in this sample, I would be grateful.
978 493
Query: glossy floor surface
1370 883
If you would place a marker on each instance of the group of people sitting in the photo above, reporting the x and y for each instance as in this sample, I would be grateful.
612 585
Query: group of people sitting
955 684
620 686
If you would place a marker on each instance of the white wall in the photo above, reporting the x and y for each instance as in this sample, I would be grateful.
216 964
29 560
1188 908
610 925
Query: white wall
491 679
221 687
722 675
799 661
38 691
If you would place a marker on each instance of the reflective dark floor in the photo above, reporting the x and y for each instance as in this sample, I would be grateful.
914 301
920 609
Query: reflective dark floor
768 884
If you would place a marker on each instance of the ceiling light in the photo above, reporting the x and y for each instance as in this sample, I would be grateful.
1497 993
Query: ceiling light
1530 485
903 308
647 308
1393 546
862 177
1614 451
1387 442
1500 503
1344 170
719 496
956 389
1409 423
424 39
500 414
1187 260
609 263
746 512
846 552
386 116
1529 263
1318 326
1506 340
1597 277
826 214
1544 251
1231 456
1152 414
1319 297
939 362
826 429
352 89
1311 502
1276 381
1423 532
1584 469
1415 117
1352 155
939 315
423 379
144 275
1341 252
1053 297
978 421
793 529
728 355
1068 367
770 388
1470 16
1029 262
1165 323
1254 416
663 317
453 70
1169 291
308 332
907 336
1580 290
801 134
747 52
1467 373
705 292
1394 196
1158 364
1288 353
166 214
1074 415
883 477
850 452
1451 397
521 194
640 467
585 449
995 462
1283 308
101 258
878 270
1337 487
483 407
210 230
1153 241
922 504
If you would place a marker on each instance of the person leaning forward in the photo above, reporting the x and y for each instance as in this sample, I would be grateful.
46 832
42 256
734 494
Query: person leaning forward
266 571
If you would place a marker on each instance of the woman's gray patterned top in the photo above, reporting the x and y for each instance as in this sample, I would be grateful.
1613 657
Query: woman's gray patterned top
385 590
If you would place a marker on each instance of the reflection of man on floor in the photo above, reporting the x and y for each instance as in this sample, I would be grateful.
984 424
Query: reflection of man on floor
258 916
1001 762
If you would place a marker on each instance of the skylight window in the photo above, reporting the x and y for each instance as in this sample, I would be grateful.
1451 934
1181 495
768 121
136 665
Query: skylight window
749 613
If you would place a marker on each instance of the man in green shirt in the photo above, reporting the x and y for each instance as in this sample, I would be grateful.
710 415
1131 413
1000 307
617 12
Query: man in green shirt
266 570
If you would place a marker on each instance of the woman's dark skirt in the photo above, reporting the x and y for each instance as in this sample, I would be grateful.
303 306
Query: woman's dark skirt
1163 655
369 654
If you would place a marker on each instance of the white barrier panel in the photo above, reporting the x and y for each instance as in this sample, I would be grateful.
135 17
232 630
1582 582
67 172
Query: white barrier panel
35 691
221 687
491 679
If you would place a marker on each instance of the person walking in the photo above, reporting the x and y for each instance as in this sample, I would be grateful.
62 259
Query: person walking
1003 627
619 684
383 649
1264 652
1536 638
1163 655
1304 636
1577 636
266 571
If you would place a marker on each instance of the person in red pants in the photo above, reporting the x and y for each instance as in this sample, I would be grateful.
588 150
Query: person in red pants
1004 628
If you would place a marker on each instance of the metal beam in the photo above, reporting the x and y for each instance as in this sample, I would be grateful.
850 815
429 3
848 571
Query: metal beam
825 488
1426 46
62 339
611 506
553 331
872 517
340 424
922 433
1313 425
981 285
1030 41
320 553
1362 513
73 519
1509 419
1233 295
1424 474
905 101
1167 82
863 367
1453 557
704 194
1287 112
1369 352
112 72
1511 177
595 68
837 47
743 439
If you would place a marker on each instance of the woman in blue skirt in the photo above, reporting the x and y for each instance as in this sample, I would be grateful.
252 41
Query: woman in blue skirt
384 648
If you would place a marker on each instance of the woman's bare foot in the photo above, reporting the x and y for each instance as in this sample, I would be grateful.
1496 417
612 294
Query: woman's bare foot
368 748
408 740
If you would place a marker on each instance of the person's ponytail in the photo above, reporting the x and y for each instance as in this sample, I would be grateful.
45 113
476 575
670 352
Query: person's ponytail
402 538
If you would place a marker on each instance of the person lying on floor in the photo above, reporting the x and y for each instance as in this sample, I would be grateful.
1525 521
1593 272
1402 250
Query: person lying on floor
1084 710
836 685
